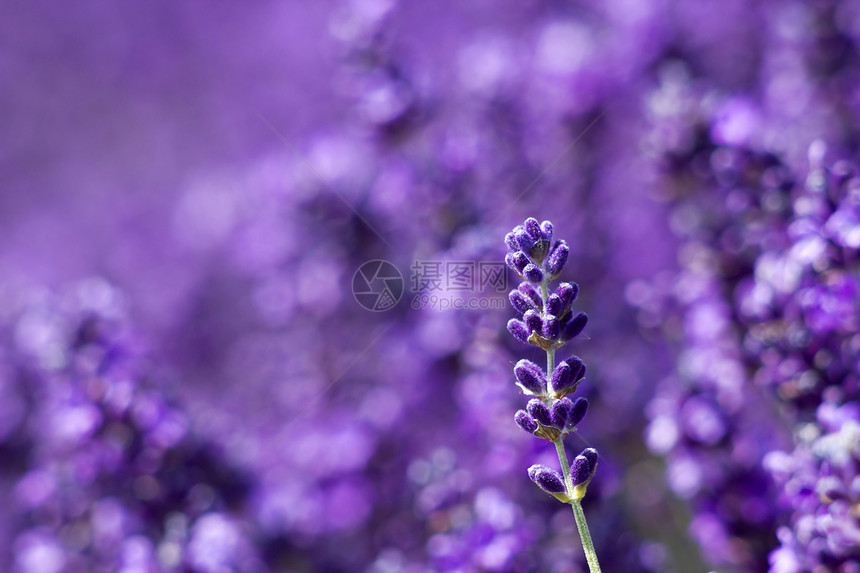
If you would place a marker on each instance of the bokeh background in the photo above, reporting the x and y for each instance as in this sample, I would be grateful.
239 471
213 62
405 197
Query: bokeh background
188 188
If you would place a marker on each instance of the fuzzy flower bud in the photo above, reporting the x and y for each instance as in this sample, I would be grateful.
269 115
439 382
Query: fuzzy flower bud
546 231
574 326
530 377
577 413
525 421
560 412
539 411
524 241
532 228
553 304
517 261
557 258
567 293
532 273
519 330
591 455
566 376
583 466
533 321
551 329
534 239
530 291
547 479
521 302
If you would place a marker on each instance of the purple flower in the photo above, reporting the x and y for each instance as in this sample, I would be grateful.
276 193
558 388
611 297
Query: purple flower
577 413
566 376
539 411
525 421
530 377
532 273
557 258
547 479
574 326
519 330
521 302
560 412
583 467
552 416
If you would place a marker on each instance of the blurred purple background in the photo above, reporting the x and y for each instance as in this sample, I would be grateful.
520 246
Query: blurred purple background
187 382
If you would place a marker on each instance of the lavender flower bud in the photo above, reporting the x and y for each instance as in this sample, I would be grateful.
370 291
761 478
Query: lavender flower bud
524 241
530 377
546 231
557 258
521 302
547 479
517 261
525 421
539 412
553 305
566 376
574 326
542 235
591 455
519 330
577 413
532 273
532 228
551 329
511 242
530 291
567 293
560 412
561 377
533 321
580 470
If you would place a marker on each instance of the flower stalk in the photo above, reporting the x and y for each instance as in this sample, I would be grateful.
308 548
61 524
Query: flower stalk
548 322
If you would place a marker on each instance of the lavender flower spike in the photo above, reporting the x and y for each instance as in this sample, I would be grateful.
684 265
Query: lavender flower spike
548 323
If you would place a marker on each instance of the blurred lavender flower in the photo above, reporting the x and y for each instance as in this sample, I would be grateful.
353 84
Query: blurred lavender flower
764 301
819 483
106 474
431 122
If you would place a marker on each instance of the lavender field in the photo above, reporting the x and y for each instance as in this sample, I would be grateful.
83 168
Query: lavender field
257 270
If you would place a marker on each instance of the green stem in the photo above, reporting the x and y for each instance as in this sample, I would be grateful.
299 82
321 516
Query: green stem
550 354
579 515
581 524
565 467
587 544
